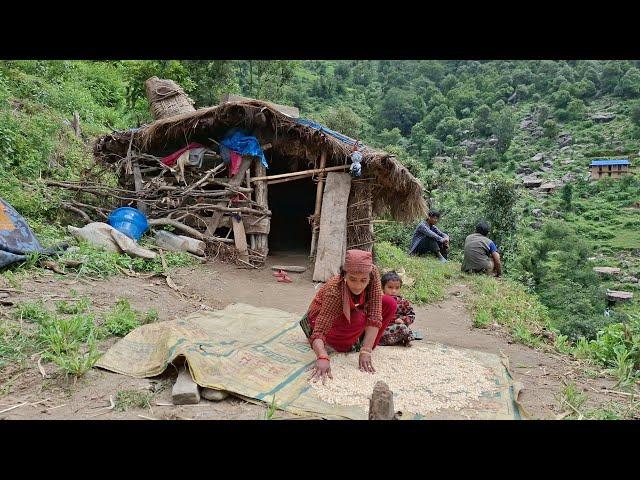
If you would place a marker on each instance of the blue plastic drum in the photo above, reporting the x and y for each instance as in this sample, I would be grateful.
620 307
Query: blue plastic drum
130 221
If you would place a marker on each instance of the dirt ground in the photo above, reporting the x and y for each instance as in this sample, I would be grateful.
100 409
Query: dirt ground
215 285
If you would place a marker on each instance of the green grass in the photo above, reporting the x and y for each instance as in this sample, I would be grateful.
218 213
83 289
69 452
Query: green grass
431 277
506 302
68 337
572 399
101 264
80 306
126 399
271 409
121 319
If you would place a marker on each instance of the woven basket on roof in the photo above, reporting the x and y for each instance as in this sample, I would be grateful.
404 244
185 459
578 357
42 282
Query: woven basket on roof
167 98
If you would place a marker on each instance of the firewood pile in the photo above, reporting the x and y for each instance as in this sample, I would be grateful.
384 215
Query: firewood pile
187 198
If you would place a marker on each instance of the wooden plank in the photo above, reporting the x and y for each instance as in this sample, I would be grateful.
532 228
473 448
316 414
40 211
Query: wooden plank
333 226
240 237
235 181
290 111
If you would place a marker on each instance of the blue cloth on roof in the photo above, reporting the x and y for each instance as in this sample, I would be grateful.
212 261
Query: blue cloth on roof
328 131
243 143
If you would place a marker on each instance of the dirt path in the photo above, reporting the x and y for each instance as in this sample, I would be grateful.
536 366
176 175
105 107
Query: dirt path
216 285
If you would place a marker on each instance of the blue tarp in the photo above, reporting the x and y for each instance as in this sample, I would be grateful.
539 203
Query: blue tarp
245 144
328 131
16 238
597 163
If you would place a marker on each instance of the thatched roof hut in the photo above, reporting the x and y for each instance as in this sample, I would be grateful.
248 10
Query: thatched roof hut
293 146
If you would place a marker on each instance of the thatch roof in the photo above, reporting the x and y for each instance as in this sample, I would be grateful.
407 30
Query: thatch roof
397 192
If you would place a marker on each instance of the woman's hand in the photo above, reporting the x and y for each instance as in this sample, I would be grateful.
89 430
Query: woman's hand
398 320
321 370
365 362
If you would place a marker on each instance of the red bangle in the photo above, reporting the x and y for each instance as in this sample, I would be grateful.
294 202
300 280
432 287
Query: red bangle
323 357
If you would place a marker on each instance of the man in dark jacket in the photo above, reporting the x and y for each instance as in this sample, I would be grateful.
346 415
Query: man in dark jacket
480 253
429 239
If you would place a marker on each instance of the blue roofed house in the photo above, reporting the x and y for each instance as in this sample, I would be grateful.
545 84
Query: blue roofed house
609 168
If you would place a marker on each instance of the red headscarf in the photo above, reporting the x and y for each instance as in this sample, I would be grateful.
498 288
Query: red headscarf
355 261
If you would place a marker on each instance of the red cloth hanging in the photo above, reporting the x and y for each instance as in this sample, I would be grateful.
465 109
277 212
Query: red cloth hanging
170 160
236 160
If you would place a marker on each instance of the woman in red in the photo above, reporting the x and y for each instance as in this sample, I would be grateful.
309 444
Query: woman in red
349 313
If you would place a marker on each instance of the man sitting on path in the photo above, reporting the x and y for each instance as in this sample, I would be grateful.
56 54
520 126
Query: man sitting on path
480 253
429 239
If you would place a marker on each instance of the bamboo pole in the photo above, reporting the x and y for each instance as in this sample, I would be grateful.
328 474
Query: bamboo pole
316 213
303 172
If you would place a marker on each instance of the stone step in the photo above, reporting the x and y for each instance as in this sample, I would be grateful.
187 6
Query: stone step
185 390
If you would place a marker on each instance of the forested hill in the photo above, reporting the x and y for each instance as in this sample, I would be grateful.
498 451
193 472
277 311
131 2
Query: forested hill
469 130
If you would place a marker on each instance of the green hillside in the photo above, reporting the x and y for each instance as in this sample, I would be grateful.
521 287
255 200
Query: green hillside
469 130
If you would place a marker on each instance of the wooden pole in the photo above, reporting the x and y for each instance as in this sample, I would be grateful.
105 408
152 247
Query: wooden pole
316 213
262 199
137 178
303 172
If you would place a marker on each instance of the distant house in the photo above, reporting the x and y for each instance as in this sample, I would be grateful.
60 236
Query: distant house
609 168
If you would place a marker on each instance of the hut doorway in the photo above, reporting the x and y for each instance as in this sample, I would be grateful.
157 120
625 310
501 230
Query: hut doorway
291 203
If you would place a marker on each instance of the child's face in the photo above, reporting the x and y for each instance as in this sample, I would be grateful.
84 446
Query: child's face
392 287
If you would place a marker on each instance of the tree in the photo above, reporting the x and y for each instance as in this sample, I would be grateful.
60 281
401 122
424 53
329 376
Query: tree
212 78
575 110
629 85
343 120
504 129
482 121
499 198
635 113
448 126
543 114
561 98
448 83
398 108
611 74
390 137
550 129
567 196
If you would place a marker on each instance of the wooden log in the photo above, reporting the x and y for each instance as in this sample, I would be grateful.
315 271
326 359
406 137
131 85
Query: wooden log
332 238
240 237
289 268
234 182
381 403
316 213
302 172
191 231
137 178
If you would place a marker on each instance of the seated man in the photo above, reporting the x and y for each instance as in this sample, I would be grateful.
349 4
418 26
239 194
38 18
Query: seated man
429 239
480 253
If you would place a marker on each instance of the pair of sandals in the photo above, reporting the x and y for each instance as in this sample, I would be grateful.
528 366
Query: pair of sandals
282 276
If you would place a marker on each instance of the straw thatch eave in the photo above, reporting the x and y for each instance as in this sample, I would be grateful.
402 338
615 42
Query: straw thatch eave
397 191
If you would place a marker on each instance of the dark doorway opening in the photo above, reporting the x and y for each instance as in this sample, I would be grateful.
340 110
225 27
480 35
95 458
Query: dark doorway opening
291 203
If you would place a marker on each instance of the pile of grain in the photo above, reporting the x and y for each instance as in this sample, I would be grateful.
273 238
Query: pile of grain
423 379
